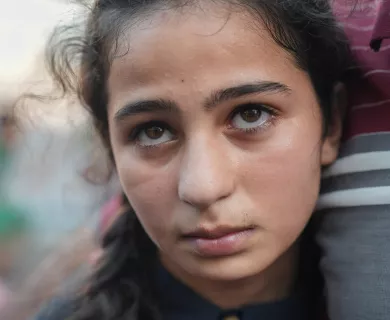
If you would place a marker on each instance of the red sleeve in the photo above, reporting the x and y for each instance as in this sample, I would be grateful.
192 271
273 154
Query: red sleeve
381 29
108 212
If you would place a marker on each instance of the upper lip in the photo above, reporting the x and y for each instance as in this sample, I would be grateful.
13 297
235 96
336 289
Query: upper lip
215 233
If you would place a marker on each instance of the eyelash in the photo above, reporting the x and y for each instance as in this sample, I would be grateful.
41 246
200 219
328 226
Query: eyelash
262 107
134 134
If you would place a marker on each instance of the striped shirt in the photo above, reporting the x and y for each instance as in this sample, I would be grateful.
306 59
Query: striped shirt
361 175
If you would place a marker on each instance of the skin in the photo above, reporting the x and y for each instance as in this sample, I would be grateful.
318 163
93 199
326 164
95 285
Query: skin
11 247
7 255
203 169
8 130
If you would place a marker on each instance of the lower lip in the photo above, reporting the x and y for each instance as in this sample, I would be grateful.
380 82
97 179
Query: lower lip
227 245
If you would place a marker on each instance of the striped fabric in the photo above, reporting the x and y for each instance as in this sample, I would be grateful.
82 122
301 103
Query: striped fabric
355 262
361 175
355 194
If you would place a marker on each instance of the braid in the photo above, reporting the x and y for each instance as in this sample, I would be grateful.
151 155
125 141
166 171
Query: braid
122 287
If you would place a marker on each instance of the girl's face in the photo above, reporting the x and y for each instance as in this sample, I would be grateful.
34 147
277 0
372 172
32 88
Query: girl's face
217 138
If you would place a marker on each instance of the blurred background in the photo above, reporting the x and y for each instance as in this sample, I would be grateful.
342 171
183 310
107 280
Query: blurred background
55 175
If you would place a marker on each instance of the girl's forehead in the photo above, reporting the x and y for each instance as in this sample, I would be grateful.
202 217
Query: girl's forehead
204 50
177 33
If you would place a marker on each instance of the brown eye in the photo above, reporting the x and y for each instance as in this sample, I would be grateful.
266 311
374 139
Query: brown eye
250 115
154 132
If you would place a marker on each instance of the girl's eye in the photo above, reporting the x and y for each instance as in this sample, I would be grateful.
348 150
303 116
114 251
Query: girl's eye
153 135
251 117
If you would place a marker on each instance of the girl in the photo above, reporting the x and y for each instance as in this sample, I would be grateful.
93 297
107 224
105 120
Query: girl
220 116
7 139
13 229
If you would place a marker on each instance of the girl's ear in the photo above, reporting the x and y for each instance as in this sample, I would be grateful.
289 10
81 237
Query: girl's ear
331 143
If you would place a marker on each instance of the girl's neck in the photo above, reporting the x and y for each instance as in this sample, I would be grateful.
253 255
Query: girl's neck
273 284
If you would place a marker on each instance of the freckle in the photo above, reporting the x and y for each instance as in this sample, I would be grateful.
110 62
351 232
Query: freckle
182 80
246 218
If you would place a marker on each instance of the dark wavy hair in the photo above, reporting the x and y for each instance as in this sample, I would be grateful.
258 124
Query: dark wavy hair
123 287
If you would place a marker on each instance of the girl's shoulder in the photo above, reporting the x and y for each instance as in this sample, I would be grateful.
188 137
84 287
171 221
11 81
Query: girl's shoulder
59 308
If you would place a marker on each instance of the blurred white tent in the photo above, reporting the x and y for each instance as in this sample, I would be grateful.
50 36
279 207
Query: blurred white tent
24 27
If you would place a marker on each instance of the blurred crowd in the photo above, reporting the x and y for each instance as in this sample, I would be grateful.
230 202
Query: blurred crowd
55 176
53 183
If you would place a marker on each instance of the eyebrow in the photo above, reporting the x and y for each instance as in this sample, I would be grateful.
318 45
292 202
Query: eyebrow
217 97
223 95
146 106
